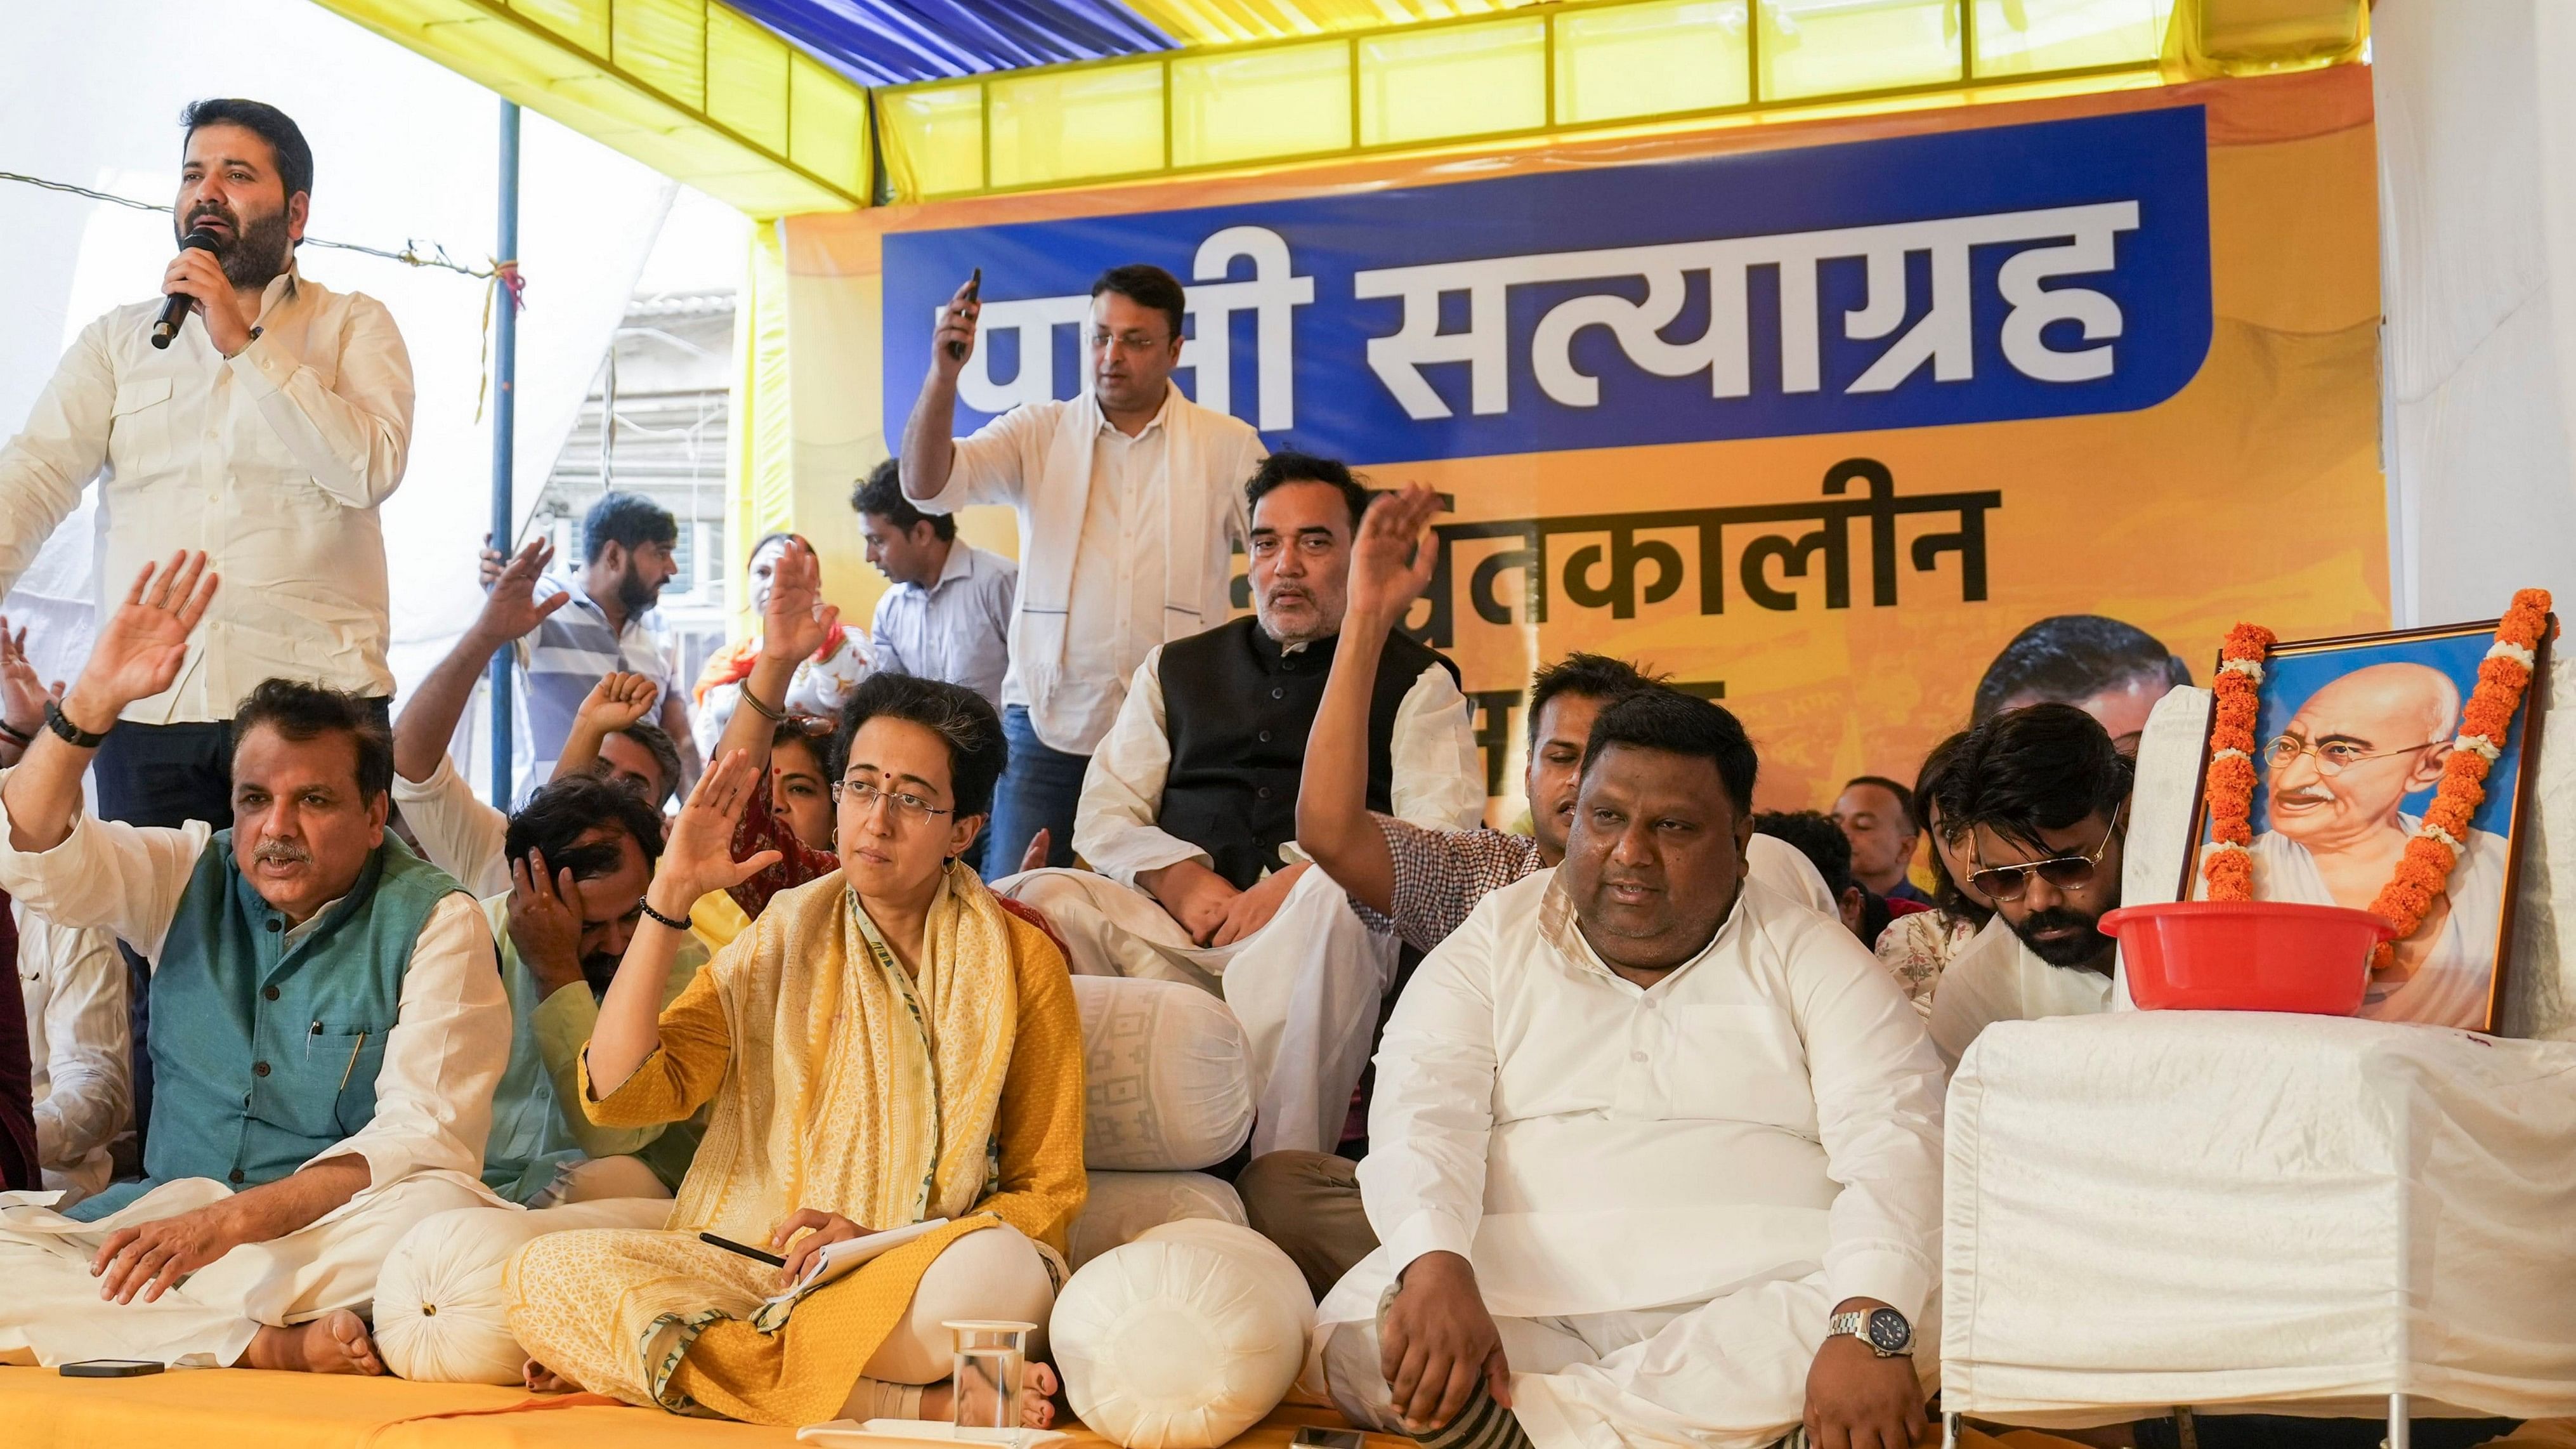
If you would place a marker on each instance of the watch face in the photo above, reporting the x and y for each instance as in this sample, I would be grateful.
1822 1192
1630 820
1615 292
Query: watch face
1888 1332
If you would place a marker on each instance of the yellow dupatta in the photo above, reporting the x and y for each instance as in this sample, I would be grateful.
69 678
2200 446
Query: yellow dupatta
847 1086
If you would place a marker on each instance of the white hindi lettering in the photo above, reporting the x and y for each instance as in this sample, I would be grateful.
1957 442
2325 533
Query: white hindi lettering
1942 337
1270 295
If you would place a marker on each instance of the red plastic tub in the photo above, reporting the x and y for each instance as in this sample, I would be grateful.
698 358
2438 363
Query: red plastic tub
2247 955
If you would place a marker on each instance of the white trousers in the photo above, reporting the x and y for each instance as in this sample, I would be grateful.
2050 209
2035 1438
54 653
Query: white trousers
1306 986
1730 1373
50 1311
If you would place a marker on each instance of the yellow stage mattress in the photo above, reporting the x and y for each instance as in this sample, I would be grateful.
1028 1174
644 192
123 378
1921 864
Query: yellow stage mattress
249 1409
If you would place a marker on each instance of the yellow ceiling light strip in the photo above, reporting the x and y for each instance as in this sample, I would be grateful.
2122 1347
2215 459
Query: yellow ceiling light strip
690 88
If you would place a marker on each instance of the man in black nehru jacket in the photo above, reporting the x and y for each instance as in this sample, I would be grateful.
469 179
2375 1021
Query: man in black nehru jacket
1189 812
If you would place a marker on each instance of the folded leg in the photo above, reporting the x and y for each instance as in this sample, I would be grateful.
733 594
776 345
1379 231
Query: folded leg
53 1312
994 1274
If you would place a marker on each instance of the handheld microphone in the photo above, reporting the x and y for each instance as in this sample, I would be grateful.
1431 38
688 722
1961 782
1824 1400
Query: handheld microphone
175 310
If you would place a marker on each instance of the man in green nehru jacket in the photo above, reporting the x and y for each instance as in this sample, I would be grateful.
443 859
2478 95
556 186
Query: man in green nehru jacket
328 1018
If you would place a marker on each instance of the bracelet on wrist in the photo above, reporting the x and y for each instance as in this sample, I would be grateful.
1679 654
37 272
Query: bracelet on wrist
646 906
766 710
16 736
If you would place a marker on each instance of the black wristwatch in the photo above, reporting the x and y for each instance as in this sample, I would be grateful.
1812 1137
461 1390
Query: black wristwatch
1883 1329
69 733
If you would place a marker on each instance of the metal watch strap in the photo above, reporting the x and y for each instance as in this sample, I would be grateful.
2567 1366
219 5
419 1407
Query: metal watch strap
69 733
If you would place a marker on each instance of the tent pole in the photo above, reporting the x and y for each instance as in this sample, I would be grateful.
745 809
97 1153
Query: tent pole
505 370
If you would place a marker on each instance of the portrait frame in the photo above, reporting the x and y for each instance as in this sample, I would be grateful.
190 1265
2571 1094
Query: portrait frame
2291 668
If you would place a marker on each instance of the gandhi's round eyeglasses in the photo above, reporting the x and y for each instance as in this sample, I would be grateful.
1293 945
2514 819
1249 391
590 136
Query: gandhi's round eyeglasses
2333 756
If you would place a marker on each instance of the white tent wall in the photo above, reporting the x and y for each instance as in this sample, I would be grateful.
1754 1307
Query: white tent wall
404 149
2477 146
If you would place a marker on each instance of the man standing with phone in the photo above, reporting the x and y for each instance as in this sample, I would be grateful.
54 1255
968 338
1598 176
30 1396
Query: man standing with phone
266 435
1130 499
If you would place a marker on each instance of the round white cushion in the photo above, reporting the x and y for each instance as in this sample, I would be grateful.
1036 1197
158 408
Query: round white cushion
1168 1081
442 1316
1184 1338
1122 1205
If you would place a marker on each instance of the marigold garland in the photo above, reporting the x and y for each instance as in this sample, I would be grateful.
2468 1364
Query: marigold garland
2229 783
2424 871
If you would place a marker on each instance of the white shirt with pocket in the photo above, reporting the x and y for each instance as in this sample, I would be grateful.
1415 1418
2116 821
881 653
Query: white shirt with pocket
273 462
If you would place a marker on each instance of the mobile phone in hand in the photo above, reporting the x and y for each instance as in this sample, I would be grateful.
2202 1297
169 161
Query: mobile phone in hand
974 293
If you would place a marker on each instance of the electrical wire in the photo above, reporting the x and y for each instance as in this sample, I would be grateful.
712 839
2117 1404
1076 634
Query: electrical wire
412 254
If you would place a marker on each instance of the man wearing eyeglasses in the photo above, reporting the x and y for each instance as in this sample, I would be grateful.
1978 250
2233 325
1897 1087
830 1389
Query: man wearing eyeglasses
2044 796
2332 784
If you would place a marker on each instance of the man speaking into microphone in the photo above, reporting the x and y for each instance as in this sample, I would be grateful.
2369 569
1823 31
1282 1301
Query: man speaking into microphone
266 434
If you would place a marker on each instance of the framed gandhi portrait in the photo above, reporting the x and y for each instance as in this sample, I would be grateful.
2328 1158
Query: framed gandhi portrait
2351 740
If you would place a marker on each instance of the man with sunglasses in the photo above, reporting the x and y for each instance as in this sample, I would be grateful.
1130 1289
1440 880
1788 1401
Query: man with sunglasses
2332 784
2043 795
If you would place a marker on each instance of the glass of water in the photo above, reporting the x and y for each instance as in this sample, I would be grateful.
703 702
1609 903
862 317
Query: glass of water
992 1355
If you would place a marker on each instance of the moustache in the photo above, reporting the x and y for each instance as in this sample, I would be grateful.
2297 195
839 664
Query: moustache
2306 795
281 852
2066 950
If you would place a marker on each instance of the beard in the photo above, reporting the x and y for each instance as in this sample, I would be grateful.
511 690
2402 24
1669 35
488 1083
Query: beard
258 251
636 595
598 969
2069 951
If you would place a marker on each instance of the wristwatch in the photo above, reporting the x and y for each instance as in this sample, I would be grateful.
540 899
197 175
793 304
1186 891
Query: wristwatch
1883 1329
69 733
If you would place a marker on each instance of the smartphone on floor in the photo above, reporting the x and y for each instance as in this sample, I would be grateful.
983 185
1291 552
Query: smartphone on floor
1311 1437
111 1368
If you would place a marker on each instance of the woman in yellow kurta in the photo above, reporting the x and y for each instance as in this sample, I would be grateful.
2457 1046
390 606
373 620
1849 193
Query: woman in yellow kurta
885 1045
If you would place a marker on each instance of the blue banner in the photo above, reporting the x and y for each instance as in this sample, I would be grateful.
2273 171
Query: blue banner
2033 271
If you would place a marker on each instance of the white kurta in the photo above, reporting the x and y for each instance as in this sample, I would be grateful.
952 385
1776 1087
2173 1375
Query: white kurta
79 1046
2451 988
1125 542
1307 985
423 1148
1665 1189
1997 978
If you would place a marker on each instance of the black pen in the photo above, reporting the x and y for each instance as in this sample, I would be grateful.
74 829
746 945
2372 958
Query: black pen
730 1246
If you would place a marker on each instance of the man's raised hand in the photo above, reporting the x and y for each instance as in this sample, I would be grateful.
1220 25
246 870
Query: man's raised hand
512 608
22 689
139 653
797 620
1392 559
616 702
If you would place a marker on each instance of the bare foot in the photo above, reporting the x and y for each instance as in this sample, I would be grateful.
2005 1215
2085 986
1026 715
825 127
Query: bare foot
543 1380
1037 1398
335 1343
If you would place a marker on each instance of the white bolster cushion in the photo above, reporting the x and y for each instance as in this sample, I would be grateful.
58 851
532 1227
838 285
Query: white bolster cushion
1168 1080
442 1316
1184 1338
1122 1205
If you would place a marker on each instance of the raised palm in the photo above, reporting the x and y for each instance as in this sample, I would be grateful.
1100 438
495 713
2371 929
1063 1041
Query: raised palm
797 620
1391 560
698 855
140 652
512 609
